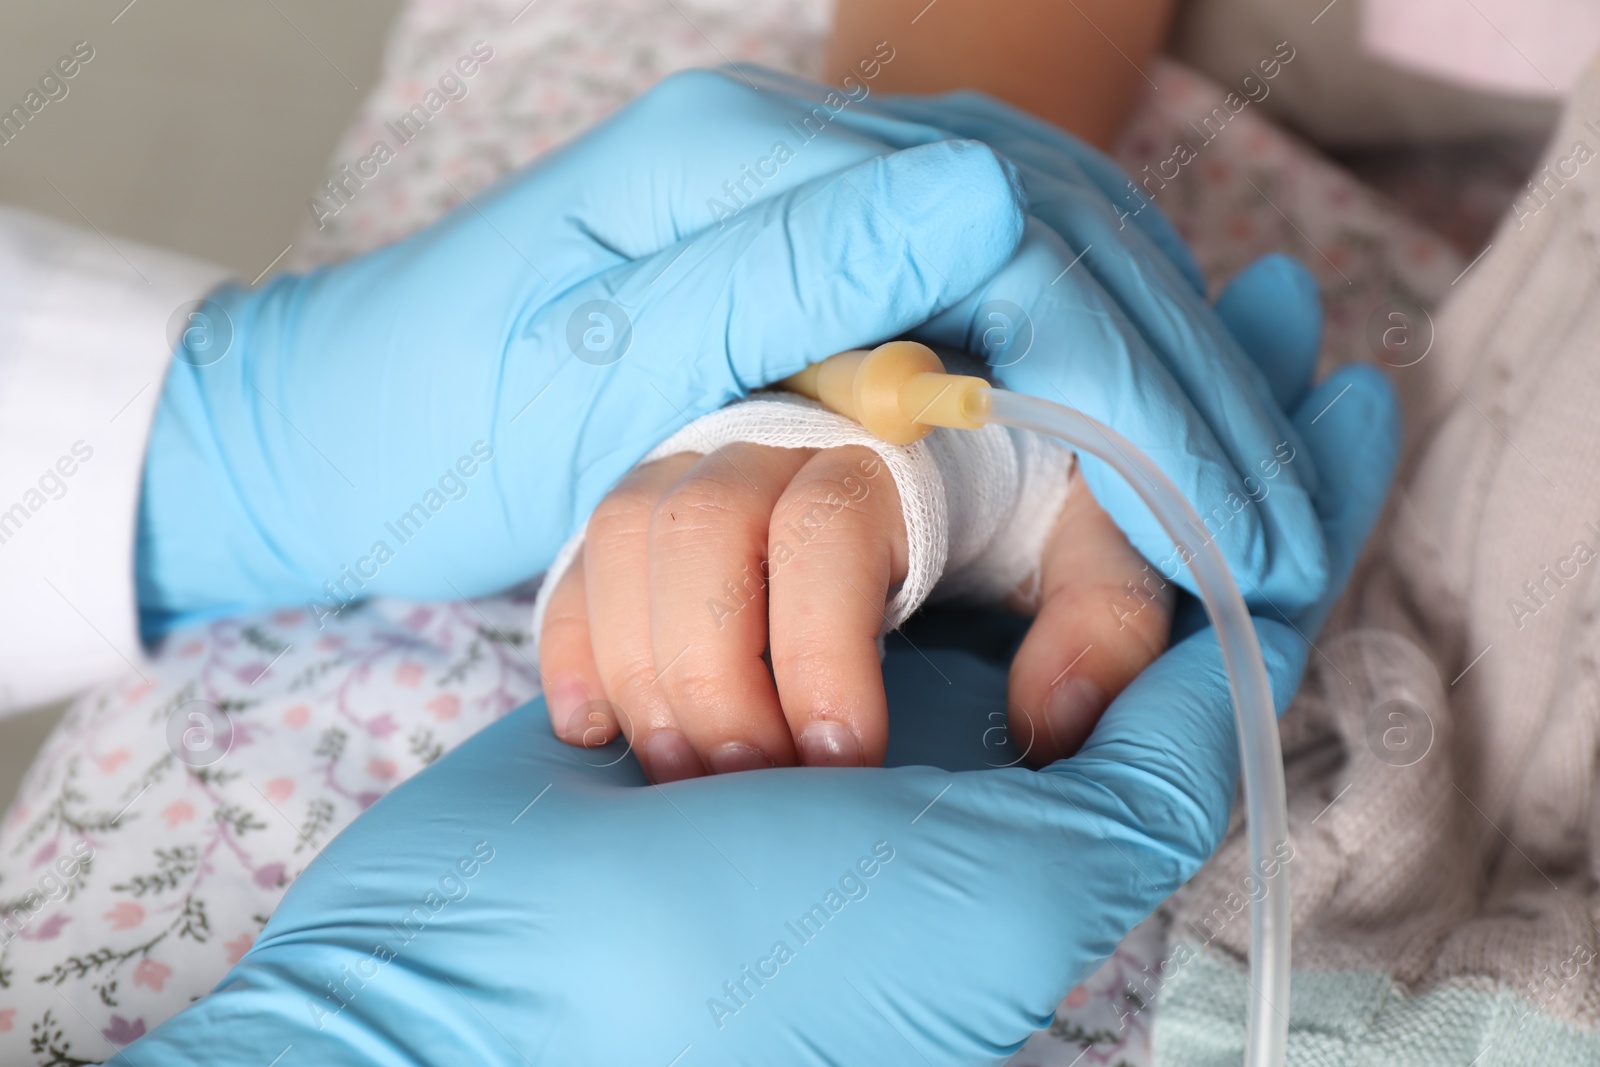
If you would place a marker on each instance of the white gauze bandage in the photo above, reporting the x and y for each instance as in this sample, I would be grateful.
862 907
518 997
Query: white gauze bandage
978 504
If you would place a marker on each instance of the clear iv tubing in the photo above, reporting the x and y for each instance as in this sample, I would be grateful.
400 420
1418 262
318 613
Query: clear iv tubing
1266 812
899 391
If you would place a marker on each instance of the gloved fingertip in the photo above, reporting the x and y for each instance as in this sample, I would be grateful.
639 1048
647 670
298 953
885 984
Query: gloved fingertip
1284 651
1352 424
1273 308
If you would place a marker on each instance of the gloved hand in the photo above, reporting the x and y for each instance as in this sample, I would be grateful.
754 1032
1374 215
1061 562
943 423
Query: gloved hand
1103 309
433 419
522 901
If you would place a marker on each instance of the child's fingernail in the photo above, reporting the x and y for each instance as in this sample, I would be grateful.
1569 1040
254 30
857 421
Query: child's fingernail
829 744
1070 712
593 724
668 756
737 756
568 698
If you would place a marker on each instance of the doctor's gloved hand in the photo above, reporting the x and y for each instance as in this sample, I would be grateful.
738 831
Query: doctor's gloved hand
434 418
525 902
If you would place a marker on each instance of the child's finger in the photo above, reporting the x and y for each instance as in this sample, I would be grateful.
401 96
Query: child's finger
616 571
1104 615
836 546
708 605
574 693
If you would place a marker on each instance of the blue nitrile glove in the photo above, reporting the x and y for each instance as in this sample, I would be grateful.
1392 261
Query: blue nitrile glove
1103 310
434 418
526 902
571 318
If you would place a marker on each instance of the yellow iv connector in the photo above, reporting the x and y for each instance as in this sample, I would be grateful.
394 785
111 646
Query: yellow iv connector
898 392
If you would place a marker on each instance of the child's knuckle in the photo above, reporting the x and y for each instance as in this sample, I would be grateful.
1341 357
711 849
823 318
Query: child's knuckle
698 505
693 684
622 515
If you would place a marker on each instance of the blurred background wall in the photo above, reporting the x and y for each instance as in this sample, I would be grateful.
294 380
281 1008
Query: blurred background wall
198 125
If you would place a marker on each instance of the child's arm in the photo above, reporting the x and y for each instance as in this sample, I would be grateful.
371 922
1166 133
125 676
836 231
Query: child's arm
1080 64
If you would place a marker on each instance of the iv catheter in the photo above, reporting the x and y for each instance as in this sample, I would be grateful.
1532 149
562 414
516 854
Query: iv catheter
900 391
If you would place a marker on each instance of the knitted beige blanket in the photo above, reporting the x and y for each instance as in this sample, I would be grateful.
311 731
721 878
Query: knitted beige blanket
1442 755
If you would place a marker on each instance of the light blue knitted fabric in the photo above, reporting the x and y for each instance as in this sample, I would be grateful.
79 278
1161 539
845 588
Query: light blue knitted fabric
1360 1019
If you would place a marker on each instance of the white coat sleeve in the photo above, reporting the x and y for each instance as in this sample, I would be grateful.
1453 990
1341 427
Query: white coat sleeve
83 351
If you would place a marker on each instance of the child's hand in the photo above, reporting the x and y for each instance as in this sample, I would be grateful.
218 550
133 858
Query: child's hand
660 627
